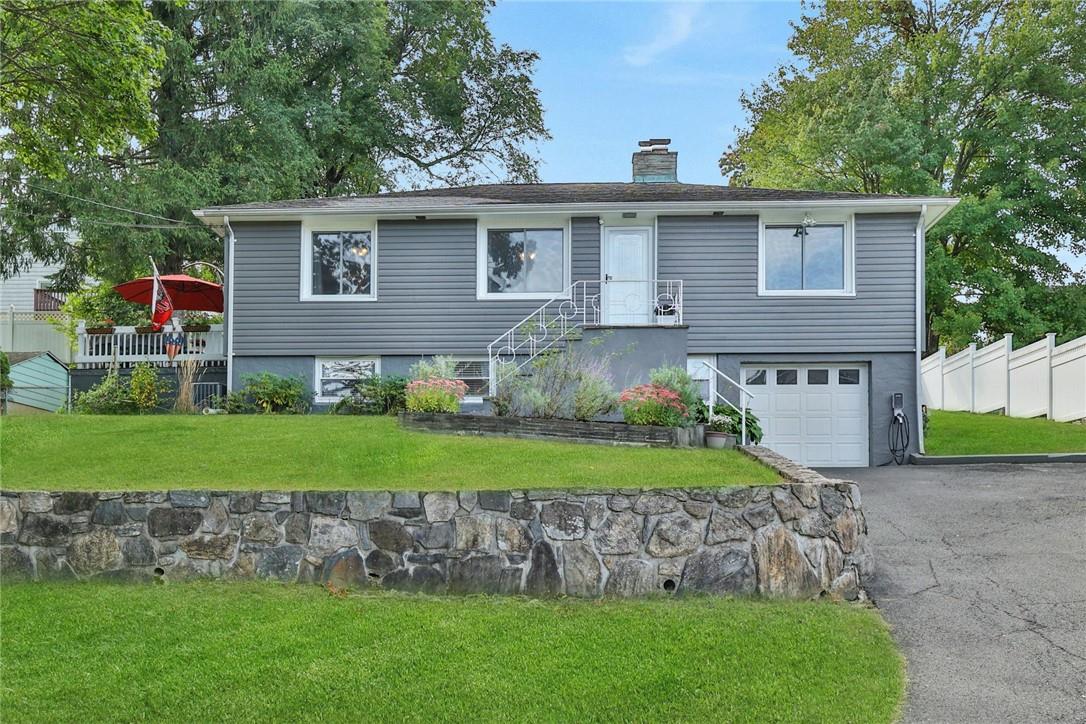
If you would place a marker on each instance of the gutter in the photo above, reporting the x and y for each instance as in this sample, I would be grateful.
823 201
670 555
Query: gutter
229 305
921 292
579 207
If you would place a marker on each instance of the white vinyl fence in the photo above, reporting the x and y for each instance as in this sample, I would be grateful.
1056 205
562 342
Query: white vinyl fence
1039 380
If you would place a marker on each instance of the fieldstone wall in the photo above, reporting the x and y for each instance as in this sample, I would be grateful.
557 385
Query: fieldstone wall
796 540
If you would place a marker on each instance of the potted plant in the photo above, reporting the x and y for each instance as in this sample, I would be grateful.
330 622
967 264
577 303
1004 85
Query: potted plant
665 315
196 327
720 433
103 327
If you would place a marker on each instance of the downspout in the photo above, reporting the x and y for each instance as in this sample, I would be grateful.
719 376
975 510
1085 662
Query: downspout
229 304
920 294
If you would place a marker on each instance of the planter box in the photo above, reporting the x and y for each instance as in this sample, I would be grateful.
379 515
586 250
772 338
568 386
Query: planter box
196 327
599 433
99 330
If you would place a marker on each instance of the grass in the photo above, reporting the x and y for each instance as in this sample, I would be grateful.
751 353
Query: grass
964 433
266 652
327 452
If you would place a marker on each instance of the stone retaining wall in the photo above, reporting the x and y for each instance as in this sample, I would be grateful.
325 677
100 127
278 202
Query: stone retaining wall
535 428
792 540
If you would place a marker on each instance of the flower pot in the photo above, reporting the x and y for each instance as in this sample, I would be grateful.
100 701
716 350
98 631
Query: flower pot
99 330
144 330
719 440
196 327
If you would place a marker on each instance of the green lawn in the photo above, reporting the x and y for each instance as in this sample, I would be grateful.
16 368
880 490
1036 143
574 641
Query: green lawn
963 433
77 452
264 652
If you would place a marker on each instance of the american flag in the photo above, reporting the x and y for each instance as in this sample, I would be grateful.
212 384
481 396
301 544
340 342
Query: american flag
161 304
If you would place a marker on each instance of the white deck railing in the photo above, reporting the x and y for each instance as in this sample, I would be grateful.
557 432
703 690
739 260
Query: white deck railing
126 346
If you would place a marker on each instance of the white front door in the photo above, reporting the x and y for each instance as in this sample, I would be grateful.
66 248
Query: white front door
813 414
626 292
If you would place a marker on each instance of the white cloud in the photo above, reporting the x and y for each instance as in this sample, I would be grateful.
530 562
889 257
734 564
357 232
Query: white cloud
676 28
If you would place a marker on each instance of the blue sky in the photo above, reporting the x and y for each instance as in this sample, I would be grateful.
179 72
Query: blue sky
613 73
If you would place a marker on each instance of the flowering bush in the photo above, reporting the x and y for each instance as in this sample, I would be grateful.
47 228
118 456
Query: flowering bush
653 404
435 394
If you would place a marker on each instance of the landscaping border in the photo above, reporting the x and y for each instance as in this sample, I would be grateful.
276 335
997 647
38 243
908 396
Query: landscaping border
534 428
1012 458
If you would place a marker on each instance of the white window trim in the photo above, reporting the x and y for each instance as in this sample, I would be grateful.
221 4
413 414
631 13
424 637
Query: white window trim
485 223
349 224
317 373
849 224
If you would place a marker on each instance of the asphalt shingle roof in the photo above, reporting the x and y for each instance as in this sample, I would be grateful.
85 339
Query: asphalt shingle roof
566 193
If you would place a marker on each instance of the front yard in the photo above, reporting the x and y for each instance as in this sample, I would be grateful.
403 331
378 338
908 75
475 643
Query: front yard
261 652
325 452
964 433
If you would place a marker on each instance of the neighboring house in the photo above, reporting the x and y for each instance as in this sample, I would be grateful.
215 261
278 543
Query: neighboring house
812 300
40 383
27 303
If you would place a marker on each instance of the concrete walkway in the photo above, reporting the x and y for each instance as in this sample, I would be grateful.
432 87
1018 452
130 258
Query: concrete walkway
982 575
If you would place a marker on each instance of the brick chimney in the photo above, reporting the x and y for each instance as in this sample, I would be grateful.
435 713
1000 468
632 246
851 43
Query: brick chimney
654 163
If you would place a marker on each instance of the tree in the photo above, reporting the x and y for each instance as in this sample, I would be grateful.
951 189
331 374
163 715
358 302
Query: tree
75 76
982 99
261 101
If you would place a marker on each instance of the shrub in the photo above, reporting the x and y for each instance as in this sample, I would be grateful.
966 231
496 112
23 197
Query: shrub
435 394
145 387
439 367
653 404
98 305
679 381
111 396
593 397
563 384
269 394
374 396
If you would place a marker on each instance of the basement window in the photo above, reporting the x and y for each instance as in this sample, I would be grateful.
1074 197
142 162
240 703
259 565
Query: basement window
337 378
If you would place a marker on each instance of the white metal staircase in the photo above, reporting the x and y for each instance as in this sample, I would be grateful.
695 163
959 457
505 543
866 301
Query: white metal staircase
647 303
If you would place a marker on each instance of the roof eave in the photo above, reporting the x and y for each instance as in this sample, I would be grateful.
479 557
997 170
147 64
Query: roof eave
213 215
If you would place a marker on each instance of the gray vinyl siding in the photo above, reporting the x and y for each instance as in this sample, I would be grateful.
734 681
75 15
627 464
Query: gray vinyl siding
426 293
585 236
717 258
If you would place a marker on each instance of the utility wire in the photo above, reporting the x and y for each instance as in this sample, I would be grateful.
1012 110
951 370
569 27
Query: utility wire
108 206
80 221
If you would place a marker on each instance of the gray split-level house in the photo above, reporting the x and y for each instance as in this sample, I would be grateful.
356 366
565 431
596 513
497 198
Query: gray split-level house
813 301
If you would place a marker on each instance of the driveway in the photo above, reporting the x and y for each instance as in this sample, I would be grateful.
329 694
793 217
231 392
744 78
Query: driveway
981 572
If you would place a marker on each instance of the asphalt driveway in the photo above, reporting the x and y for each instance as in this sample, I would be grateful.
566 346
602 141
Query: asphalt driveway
981 571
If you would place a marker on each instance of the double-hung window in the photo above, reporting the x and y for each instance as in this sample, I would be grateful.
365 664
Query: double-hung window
805 259
339 265
527 262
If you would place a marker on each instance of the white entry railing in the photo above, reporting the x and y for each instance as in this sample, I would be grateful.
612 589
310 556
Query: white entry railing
633 303
126 345
1042 379
745 397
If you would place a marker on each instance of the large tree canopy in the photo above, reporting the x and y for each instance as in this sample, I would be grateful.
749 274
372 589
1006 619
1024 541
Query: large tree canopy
262 101
982 99
75 77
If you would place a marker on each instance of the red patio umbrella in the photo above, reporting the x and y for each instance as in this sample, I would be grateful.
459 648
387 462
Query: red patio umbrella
186 292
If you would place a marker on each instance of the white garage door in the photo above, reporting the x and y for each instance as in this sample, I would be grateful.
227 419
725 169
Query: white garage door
813 414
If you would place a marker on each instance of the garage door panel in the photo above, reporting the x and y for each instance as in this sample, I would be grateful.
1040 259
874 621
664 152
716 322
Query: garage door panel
786 402
821 419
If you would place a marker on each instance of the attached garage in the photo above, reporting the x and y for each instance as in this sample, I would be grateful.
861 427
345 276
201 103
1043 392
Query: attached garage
814 414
